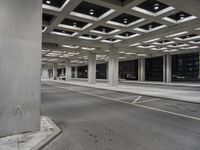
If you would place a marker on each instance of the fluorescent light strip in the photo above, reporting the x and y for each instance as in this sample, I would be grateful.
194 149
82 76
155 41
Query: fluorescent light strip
136 44
177 34
173 50
192 47
74 28
141 54
91 17
193 42
145 47
166 43
151 13
186 39
104 33
179 21
88 48
44 6
197 29
158 49
64 34
125 25
89 38
153 40
176 46
147 31
44 29
70 46
108 41
129 37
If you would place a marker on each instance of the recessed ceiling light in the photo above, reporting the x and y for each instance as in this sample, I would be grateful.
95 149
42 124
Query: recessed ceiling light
74 24
150 27
48 2
91 12
182 16
125 20
156 6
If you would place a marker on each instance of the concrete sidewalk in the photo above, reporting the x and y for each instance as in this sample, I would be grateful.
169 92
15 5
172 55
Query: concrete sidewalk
175 94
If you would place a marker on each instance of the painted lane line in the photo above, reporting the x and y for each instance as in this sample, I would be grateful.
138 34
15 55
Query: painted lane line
125 97
138 98
156 99
134 104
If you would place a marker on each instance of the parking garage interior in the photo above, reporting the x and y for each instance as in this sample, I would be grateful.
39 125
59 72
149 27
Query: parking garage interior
100 75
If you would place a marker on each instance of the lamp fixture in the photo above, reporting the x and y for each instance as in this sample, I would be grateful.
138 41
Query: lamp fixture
91 11
150 27
125 20
74 24
156 6
182 16
48 2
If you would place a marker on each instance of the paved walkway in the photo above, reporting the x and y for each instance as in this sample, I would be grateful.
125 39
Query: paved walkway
170 92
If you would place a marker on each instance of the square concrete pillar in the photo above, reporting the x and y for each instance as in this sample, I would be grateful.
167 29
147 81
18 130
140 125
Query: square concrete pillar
199 66
168 70
55 73
92 68
141 69
75 72
113 67
68 72
20 66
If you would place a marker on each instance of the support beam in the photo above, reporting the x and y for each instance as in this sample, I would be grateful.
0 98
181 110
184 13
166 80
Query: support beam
168 69
92 68
113 67
20 66
164 68
75 72
199 66
55 73
68 72
62 71
141 69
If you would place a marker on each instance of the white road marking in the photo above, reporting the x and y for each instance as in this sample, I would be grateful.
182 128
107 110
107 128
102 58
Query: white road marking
138 98
142 106
156 99
123 98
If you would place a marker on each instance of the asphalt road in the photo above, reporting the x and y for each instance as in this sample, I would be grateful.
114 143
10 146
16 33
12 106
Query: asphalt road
94 119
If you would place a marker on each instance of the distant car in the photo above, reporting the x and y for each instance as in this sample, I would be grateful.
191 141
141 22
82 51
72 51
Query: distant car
62 77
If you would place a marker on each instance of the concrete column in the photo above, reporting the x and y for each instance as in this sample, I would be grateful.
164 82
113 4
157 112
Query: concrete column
68 72
141 69
168 60
107 70
92 68
75 72
199 66
113 67
164 69
55 73
45 74
20 63
62 71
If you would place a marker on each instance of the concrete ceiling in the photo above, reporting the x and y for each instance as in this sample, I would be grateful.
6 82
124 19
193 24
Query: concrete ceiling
139 28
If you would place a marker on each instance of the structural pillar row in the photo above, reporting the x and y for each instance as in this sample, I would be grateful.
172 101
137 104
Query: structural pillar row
68 72
141 69
113 67
167 68
92 68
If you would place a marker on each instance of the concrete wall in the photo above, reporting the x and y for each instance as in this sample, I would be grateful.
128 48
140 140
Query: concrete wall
20 62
